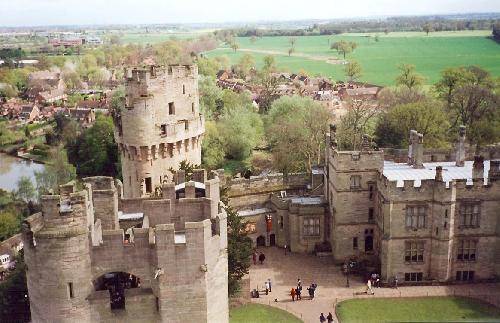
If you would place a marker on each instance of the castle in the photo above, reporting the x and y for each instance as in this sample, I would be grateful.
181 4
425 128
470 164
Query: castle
159 127
82 267
153 249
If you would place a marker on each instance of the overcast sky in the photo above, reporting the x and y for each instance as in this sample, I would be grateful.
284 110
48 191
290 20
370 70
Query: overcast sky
73 12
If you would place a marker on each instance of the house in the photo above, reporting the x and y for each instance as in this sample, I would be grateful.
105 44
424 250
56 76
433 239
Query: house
96 105
224 75
51 96
85 116
360 93
10 109
29 112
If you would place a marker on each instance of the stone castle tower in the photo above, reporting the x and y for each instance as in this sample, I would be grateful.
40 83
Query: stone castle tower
159 127
86 265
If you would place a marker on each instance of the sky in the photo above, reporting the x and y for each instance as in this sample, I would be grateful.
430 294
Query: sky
89 12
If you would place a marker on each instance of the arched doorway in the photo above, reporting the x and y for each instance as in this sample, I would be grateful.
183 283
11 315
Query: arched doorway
116 283
368 243
272 239
261 241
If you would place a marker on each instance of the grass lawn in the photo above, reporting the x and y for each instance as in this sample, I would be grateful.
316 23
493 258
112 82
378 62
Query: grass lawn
256 313
379 59
428 309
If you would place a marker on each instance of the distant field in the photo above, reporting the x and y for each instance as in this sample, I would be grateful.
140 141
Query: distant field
426 309
151 38
430 54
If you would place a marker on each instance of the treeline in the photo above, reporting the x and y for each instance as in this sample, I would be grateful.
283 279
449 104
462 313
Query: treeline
372 25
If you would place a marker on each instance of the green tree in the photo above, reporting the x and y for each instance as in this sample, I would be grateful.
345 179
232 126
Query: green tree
25 189
212 152
295 129
427 117
244 65
14 301
210 98
427 28
239 250
9 224
59 171
344 47
408 77
269 64
357 122
353 70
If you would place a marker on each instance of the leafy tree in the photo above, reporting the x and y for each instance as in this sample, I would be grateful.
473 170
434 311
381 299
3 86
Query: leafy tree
25 189
59 171
295 129
241 129
239 250
427 117
210 98
95 151
212 152
344 47
269 64
9 224
208 66
353 70
244 65
357 122
427 28
408 77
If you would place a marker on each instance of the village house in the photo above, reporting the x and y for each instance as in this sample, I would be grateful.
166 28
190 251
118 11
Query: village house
29 112
51 96
85 117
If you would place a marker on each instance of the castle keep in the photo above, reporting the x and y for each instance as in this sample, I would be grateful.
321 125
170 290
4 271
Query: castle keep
171 268
159 127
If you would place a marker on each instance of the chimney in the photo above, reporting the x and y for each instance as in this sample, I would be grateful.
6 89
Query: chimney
418 151
365 143
190 190
478 167
494 173
439 174
333 135
460 153
411 147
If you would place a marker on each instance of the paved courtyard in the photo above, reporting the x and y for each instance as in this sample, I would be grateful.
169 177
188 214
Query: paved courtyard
284 271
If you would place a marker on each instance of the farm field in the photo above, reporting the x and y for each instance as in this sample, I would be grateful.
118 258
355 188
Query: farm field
379 59
152 38
428 309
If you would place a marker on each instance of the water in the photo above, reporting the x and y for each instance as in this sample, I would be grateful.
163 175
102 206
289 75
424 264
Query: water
12 169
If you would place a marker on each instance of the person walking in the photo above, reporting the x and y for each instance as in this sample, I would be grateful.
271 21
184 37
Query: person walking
293 293
329 317
254 257
285 249
267 287
298 291
270 286
369 287
262 257
396 282
322 318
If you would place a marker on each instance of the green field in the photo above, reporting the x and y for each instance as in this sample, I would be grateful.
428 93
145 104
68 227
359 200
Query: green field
429 309
255 313
152 38
430 54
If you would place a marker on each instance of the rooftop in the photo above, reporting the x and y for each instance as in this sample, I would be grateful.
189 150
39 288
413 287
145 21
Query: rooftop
401 171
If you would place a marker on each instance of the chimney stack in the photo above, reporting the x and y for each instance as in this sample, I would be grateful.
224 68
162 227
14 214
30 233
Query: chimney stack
439 174
494 173
460 153
411 147
365 143
419 152
478 167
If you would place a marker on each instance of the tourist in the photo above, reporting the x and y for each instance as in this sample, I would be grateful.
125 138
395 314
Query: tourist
322 318
311 290
377 281
285 249
329 318
396 282
299 292
293 293
262 257
369 287
270 286
267 287
254 257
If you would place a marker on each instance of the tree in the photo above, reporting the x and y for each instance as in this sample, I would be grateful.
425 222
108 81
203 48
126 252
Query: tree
244 65
353 70
290 51
253 39
25 189
59 171
234 45
9 224
14 301
344 47
239 250
212 152
95 152
408 77
357 122
472 99
427 28
269 64
295 129
427 117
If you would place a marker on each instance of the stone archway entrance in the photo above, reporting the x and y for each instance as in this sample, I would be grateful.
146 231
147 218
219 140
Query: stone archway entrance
116 283
261 241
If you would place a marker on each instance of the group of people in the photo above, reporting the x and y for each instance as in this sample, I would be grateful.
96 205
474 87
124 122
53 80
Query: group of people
373 281
260 256
328 318
296 292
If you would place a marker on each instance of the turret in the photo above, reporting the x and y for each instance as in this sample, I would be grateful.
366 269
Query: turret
57 254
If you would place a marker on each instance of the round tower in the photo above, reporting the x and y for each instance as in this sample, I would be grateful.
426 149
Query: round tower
159 127
56 247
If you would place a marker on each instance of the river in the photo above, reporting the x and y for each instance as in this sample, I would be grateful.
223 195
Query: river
12 169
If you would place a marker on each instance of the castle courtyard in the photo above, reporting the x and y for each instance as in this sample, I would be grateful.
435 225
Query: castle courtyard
285 270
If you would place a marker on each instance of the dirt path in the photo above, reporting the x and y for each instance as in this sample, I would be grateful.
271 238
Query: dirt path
326 59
